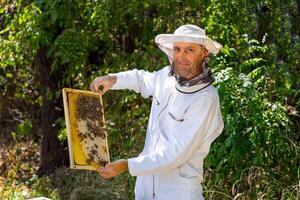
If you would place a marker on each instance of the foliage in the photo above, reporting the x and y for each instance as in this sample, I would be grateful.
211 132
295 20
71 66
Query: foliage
76 184
18 165
257 133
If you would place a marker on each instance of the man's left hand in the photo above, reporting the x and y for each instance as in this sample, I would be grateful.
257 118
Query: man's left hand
113 169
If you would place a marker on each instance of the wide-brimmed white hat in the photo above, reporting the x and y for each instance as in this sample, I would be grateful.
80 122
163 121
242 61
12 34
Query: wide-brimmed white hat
186 33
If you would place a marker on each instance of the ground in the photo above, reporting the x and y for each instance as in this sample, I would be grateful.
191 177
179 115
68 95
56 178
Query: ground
19 161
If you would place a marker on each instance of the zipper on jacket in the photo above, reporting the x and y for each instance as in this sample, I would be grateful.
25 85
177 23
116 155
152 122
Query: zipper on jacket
153 188
158 119
153 192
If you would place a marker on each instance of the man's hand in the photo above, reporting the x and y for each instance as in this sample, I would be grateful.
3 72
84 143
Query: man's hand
113 169
105 81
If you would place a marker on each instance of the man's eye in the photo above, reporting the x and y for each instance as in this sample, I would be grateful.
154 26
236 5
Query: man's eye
176 49
190 49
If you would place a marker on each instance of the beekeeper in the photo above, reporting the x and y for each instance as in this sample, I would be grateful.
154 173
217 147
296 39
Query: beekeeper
185 117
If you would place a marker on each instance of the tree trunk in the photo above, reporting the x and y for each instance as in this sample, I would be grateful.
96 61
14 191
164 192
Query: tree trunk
53 154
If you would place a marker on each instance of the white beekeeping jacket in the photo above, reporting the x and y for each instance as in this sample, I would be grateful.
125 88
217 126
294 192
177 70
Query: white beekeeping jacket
183 123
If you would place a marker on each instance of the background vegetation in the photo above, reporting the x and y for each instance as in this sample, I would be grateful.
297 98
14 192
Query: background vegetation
48 45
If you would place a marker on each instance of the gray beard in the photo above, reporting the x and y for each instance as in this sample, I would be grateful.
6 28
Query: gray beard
205 77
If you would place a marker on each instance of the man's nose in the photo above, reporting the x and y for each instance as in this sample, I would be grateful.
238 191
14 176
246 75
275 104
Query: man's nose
181 55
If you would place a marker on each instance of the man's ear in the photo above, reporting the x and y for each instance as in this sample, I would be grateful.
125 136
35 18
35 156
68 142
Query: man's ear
205 53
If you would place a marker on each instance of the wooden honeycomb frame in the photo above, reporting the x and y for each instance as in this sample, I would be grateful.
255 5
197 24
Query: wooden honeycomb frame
86 132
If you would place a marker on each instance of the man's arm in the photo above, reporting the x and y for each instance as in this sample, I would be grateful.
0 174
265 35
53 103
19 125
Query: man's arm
200 127
138 80
106 82
195 131
113 169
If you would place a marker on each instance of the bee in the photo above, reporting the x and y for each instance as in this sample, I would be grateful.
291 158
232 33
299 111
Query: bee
91 156
89 160
84 136
101 122
80 135
102 162
94 151
88 107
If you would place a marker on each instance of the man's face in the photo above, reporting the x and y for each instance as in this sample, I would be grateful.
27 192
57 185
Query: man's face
188 59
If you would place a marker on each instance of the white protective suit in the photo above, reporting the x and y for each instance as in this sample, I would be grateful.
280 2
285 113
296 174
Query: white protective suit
183 123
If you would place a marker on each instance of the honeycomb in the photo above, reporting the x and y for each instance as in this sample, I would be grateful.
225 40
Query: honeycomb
87 135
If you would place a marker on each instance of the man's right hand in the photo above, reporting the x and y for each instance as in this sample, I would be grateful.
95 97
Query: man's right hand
105 81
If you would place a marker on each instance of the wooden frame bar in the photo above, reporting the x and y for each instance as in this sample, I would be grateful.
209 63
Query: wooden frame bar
84 138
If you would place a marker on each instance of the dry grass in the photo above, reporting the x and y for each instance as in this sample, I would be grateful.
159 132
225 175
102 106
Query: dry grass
18 166
255 183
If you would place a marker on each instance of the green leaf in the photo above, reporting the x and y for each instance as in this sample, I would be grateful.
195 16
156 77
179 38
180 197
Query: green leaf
24 128
8 75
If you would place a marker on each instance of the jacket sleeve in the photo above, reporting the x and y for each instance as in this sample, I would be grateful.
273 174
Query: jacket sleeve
202 124
138 80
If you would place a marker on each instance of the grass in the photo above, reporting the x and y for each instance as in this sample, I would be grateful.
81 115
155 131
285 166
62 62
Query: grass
66 184
79 184
254 183
19 161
